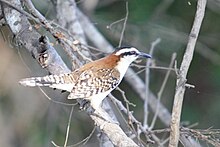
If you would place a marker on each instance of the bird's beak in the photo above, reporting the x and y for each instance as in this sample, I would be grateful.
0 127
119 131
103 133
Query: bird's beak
145 55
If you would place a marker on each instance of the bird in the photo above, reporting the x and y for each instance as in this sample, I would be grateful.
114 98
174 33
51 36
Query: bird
94 80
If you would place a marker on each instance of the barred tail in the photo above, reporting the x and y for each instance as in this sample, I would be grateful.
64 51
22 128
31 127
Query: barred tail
52 81
39 81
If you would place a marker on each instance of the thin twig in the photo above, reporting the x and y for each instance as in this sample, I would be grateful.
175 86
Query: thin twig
147 77
35 12
124 97
20 10
68 45
40 19
180 83
84 141
124 25
55 144
68 127
161 68
152 67
115 22
129 121
159 94
57 102
211 136
43 21
132 118
49 98
165 141
120 108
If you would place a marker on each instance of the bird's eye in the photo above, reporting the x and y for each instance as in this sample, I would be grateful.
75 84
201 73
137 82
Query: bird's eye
133 53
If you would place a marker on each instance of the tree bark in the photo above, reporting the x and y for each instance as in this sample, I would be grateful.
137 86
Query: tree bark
181 77
49 59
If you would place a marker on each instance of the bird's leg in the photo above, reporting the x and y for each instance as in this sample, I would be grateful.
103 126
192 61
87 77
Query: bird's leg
84 104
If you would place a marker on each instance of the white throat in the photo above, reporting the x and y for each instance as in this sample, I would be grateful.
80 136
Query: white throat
122 67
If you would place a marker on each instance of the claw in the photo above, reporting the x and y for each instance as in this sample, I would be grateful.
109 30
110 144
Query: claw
84 105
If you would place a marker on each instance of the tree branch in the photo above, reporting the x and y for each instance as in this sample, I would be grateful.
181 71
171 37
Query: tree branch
49 59
131 77
71 23
181 79
147 82
27 36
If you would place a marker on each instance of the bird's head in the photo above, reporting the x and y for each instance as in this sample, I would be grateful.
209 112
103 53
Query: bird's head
129 54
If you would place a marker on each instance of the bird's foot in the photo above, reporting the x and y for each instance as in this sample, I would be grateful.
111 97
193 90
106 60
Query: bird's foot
84 104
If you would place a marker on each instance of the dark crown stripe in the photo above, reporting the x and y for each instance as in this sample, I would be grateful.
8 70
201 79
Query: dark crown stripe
128 53
125 53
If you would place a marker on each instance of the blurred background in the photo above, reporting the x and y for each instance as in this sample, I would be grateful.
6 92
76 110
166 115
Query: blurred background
28 118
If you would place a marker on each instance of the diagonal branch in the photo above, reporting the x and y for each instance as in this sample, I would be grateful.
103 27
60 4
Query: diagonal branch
147 82
42 51
181 79
124 25
159 94
31 39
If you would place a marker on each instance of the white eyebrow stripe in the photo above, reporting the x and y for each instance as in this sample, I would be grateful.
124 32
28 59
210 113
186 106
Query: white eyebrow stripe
126 50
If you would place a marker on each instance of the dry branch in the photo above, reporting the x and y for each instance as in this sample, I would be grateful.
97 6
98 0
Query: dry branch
41 49
181 79
64 8
27 36
131 77
147 82
30 40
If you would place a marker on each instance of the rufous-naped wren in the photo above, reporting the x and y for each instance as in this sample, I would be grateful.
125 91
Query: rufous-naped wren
94 80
